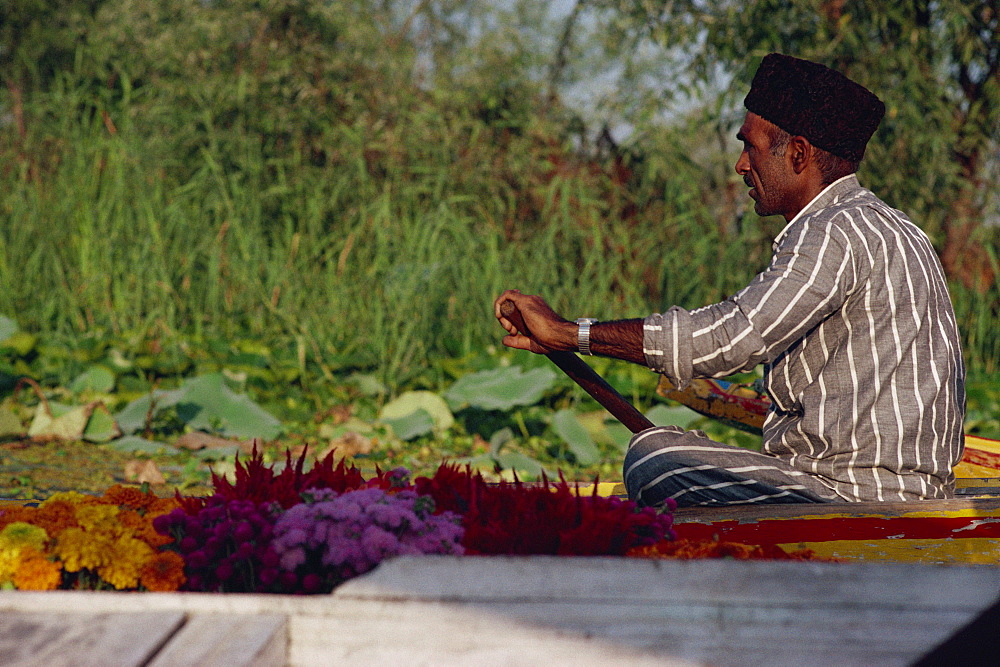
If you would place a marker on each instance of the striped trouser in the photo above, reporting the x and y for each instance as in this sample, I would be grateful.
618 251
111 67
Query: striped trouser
669 462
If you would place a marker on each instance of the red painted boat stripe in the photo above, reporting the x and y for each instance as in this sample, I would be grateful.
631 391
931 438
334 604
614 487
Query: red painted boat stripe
785 531
981 457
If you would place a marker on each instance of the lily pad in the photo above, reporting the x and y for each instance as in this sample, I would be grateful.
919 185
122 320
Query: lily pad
8 328
101 427
136 445
677 415
205 403
413 425
569 428
208 404
132 418
501 388
95 378
411 401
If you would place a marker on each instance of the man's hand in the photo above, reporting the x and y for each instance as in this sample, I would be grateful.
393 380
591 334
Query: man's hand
533 325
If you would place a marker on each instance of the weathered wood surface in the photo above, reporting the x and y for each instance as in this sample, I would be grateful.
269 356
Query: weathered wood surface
221 640
593 611
98 639
161 639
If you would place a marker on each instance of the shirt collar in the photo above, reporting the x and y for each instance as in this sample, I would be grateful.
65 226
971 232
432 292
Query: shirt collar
828 196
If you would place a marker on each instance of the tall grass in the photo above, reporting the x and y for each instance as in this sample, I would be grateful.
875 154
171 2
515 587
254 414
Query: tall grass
387 257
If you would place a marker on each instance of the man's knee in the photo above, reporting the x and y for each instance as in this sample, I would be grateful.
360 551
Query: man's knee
649 463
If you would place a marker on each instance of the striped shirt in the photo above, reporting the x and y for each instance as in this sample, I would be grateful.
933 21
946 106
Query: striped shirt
862 359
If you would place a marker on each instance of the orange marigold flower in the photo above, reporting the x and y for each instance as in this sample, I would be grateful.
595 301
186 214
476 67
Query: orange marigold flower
127 497
37 573
163 573
54 517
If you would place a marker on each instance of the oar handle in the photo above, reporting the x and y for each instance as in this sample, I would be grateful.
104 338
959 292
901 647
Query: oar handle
586 377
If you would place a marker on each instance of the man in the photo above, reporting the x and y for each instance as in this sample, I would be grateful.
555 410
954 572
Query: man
852 320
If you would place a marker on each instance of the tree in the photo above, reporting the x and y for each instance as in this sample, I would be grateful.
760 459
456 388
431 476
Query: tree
936 64
38 38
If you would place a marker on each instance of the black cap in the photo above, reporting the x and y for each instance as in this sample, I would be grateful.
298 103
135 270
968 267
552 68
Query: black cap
810 100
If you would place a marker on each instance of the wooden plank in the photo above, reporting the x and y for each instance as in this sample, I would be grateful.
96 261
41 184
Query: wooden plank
227 640
81 640
763 584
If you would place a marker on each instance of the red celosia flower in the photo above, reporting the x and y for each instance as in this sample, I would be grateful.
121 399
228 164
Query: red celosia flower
258 482
548 518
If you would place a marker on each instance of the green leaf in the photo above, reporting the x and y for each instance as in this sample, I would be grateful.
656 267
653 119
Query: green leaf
96 378
8 328
569 428
10 424
520 462
501 388
620 435
20 342
136 445
368 385
411 401
667 415
413 425
101 427
132 418
208 404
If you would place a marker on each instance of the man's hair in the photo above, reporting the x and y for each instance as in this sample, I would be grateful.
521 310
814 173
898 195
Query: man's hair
830 166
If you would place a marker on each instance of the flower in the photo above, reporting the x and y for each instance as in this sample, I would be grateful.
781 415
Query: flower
341 536
548 518
126 558
37 573
164 572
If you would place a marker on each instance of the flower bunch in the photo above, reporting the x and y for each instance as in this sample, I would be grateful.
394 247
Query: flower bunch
85 542
225 544
331 538
546 518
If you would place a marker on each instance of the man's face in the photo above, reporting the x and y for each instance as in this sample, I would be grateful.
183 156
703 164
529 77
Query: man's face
765 173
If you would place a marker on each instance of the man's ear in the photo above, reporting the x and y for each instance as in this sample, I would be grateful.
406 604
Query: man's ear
800 153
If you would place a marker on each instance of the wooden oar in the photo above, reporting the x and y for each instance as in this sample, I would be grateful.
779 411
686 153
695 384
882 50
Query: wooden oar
587 378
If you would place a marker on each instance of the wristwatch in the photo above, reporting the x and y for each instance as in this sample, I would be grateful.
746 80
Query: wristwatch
583 335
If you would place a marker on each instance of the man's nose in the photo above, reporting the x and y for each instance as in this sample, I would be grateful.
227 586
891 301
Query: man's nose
743 164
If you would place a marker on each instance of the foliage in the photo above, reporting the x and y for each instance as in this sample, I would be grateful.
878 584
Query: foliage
935 64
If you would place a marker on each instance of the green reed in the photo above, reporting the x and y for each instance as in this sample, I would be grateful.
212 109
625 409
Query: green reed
383 263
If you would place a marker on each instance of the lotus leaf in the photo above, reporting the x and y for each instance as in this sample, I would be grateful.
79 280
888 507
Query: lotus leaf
569 428
501 388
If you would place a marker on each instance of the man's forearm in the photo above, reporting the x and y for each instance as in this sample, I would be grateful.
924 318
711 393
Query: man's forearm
621 339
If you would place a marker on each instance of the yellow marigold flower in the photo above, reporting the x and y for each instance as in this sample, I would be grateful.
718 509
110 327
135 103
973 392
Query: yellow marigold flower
79 549
126 558
23 534
37 573
16 539
164 573
71 497
98 517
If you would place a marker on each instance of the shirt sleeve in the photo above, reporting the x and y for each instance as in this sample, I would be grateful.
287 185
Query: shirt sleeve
811 274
